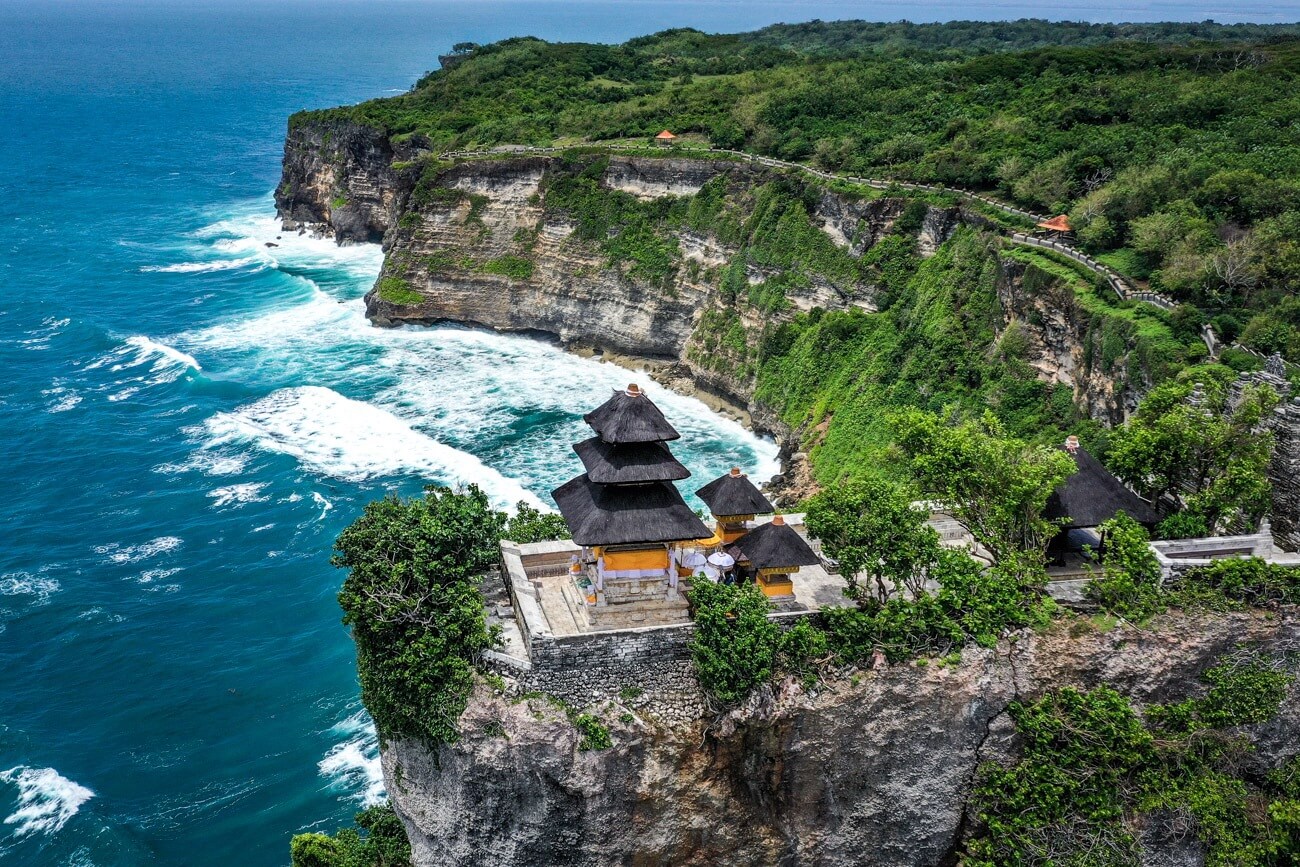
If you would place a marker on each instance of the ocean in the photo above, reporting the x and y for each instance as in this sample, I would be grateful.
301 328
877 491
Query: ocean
189 415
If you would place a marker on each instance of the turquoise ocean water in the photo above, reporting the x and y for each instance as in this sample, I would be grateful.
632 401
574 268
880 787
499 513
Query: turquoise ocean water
188 417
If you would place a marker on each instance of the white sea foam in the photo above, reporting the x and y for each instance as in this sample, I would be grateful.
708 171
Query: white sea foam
136 553
165 356
37 588
46 799
202 267
208 462
353 764
149 576
248 492
62 399
348 439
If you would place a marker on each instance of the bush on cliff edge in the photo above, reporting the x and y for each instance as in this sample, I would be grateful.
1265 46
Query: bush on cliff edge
383 843
413 602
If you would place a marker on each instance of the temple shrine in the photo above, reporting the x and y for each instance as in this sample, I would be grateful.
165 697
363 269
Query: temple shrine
633 526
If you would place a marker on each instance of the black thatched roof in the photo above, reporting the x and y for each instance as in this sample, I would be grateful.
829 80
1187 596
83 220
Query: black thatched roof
1093 496
609 464
734 494
776 545
626 514
630 417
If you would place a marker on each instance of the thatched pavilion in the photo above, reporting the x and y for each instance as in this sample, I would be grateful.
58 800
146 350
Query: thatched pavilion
1090 497
733 499
775 551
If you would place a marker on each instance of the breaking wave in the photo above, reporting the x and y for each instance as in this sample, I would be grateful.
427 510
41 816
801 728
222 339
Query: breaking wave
46 799
347 439
353 764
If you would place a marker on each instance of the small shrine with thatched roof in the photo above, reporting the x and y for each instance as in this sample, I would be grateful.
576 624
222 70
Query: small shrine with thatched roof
1090 497
775 551
733 499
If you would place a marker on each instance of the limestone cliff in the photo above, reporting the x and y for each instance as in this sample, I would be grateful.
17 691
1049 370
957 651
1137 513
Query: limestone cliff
484 242
871 768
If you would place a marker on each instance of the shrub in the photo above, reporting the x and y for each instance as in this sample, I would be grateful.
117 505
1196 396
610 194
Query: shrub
801 645
383 843
735 645
529 524
595 736
395 290
413 602
1130 584
1250 580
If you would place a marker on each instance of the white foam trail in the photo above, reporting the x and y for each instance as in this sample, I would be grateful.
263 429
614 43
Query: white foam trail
46 799
202 267
348 439
136 553
27 584
248 492
353 764
210 463
167 356
149 576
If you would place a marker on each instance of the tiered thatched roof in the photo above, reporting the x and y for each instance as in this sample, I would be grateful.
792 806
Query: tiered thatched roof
608 464
630 417
776 545
734 494
626 514
1092 496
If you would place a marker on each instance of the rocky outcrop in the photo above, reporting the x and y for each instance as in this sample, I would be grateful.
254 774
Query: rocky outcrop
338 179
873 768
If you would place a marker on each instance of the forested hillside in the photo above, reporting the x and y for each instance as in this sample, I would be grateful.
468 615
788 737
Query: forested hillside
1174 148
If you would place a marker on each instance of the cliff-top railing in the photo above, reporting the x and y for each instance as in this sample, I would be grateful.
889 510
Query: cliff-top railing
1113 278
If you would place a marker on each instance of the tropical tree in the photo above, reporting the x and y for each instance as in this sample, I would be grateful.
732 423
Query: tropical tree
1211 456
996 485
870 526
413 602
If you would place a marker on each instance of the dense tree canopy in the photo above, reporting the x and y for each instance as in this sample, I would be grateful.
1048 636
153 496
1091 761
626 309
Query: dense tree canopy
1171 146
413 602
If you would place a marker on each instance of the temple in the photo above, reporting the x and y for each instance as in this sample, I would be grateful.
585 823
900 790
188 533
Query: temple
635 530
1090 497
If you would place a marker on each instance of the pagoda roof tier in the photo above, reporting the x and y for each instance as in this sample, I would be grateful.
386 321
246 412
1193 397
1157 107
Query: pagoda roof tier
777 545
609 464
734 494
1092 496
630 417
626 514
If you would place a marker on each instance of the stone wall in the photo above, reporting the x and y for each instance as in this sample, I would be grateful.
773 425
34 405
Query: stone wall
1284 472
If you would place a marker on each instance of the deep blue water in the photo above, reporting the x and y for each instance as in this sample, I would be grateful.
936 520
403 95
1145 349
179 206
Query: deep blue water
188 417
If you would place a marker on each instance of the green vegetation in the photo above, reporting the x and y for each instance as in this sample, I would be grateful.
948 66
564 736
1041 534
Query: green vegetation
413 602
1092 771
996 485
871 526
514 267
529 524
935 347
380 842
1129 586
595 736
396 290
735 645
1215 459
1169 145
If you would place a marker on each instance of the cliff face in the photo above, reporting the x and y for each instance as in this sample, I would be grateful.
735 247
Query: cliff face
483 243
874 769
338 179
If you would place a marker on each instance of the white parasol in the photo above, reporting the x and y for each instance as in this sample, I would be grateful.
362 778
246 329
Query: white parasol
722 559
